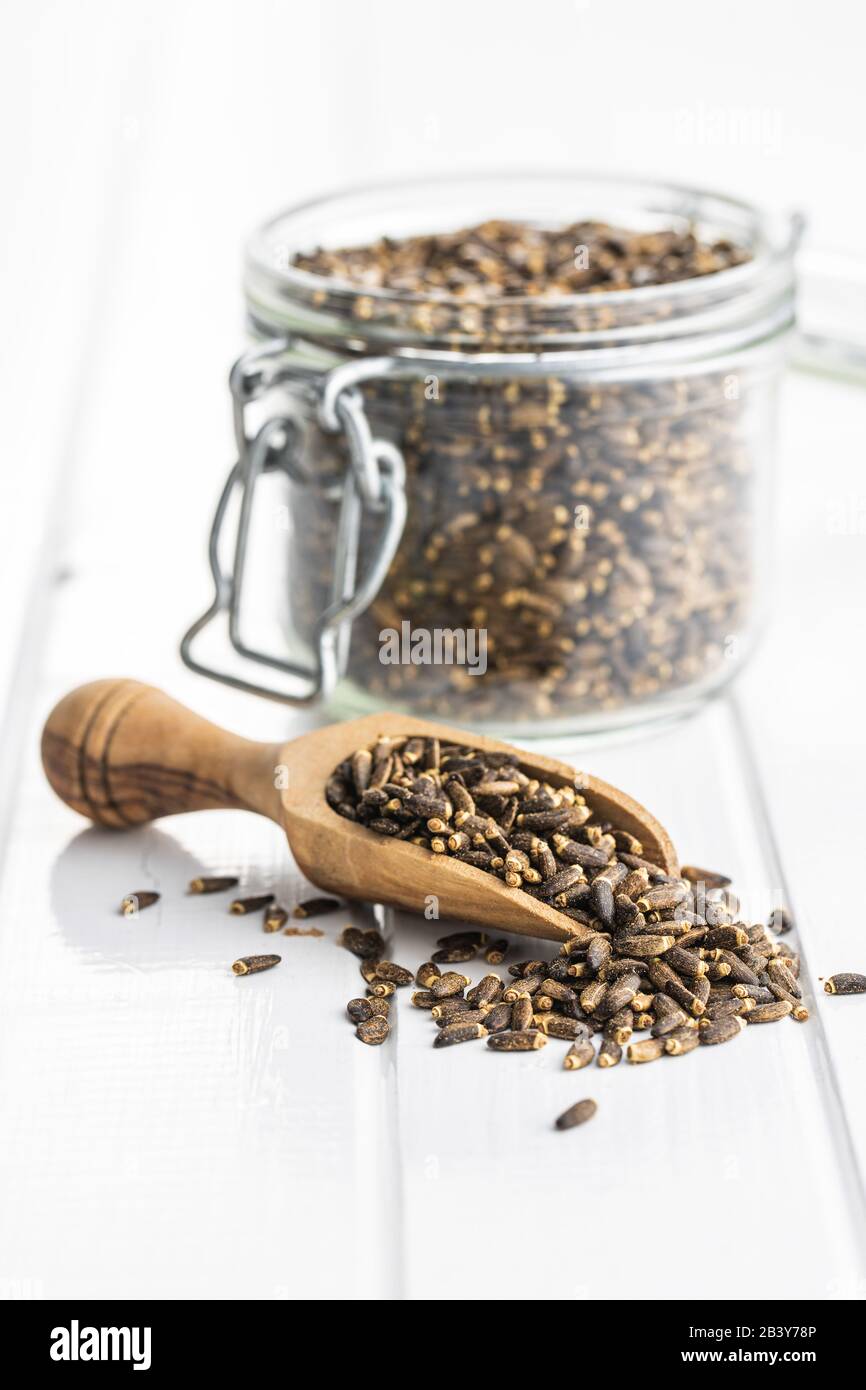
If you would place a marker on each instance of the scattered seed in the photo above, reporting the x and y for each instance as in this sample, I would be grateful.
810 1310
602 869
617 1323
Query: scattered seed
134 903
459 1032
366 944
241 907
846 983
577 1114
315 907
251 965
275 919
394 974
213 885
374 1031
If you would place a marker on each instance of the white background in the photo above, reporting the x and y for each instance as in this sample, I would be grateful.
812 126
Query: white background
165 1129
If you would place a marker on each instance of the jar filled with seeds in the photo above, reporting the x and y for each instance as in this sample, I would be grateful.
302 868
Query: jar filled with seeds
522 432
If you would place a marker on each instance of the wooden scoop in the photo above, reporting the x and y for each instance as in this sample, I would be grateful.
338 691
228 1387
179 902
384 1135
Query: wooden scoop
123 753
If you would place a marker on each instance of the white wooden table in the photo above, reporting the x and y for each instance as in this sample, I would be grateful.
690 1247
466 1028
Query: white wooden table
171 1131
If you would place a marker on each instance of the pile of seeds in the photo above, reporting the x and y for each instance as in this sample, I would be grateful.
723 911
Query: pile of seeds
497 258
648 952
599 533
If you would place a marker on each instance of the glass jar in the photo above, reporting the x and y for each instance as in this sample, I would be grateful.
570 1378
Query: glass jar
539 514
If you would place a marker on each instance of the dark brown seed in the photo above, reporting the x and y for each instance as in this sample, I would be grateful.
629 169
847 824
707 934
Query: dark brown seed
619 994
739 972
213 884
528 1041
620 1026
626 965
780 974
729 938
522 986
682 1041
559 1026
577 1114
668 1023
592 995
521 1014
448 984
707 877
275 919
758 993
383 988
685 962
466 1017
561 882
722 1030
498 1020
769 1013
495 953
413 751
667 896
610 1053
475 939
426 974
646 946
670 983
423 999
723 1008
487 991
367 945
452 955
450 1008
374 1031
701 989
394 974
136 902
251 965
554 990
579 1055
315 907
459 1032
241 907
361 1009
573 852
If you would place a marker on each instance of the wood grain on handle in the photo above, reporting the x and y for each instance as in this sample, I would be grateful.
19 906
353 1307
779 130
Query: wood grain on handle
122 753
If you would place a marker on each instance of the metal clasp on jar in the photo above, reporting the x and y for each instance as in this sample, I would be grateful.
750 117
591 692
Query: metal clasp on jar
374 483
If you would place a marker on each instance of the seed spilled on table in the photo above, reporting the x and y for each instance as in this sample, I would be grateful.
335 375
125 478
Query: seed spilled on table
650 952
251 965
213 884
134 903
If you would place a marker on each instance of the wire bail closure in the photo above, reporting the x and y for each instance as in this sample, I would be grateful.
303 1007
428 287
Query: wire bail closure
374 483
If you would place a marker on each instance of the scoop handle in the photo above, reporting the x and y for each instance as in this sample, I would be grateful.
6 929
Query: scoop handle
122 753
